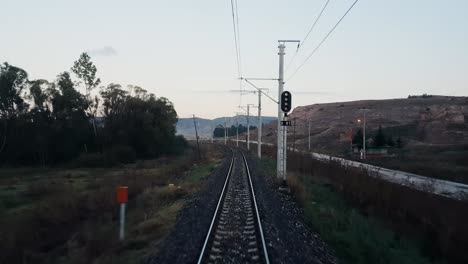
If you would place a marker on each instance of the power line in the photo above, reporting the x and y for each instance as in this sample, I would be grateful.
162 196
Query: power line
239 52
235 38
323 40
238 40
308 33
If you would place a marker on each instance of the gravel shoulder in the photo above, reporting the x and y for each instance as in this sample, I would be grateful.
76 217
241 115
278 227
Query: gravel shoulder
185 241
287 238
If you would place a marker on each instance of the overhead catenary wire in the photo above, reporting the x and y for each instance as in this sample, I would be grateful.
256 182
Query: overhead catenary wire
233 12
322 41
235 25
307 35
238 41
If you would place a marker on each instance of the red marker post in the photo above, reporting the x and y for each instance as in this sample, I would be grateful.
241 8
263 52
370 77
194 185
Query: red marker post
122 198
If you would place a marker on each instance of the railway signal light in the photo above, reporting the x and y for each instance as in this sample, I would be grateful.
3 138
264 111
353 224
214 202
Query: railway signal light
286 102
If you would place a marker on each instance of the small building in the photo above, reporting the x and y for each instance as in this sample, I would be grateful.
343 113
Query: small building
377 152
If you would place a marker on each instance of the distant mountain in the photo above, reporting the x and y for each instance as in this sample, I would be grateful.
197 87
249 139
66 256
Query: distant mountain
205 127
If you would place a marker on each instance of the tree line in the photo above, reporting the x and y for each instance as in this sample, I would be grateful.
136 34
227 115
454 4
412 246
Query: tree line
48 122
379 139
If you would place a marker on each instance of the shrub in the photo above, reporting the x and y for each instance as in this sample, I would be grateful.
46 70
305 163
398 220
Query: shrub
439 221
179 145
91 160
120 154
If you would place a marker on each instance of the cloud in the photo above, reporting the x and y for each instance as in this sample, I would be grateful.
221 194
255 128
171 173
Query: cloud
106 51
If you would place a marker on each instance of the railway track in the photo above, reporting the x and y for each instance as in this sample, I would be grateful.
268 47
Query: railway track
235 234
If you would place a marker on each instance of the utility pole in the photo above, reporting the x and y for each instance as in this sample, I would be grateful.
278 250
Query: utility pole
237 130
259 129
225 132
196 135
282 131
364 138
212 131
308 121
248 127
364 133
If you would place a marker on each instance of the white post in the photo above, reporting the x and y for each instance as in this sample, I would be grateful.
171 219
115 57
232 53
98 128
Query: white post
248 128
309 134
259 139
122 222
280 155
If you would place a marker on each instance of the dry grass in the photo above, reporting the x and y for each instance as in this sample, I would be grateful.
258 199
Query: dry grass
438 221
71 216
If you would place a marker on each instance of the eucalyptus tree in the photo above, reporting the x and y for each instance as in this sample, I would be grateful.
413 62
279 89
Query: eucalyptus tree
86 71
13 81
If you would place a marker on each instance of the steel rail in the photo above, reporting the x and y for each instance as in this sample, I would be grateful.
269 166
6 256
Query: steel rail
260 228
213 225
208 235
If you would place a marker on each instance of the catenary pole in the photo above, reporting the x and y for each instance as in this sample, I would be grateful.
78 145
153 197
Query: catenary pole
282 131
248 127
280 163
237 130
364 137
309 134
259 135
364 132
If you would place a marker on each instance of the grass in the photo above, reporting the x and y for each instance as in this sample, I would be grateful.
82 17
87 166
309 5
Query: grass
354 236
442 162
200 172
71 216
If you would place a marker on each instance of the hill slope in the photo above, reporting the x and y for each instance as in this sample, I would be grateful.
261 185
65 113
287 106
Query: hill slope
431 120
434 132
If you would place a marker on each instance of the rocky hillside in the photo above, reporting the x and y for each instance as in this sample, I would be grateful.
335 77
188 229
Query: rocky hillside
417 120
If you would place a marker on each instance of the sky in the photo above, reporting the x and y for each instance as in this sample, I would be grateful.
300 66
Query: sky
184 50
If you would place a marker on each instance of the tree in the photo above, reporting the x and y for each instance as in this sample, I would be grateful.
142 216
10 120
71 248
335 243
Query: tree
45 123
143 122
13 81
399 142
379 139
357 139
85 70
38 94
41 115
218 131
71 126
390 141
